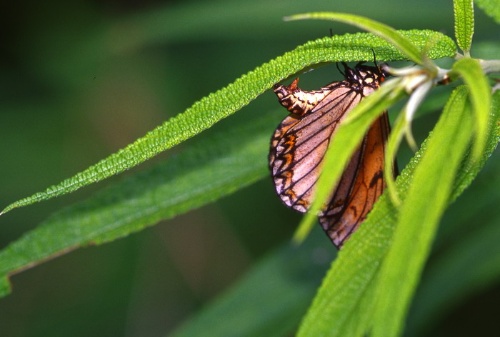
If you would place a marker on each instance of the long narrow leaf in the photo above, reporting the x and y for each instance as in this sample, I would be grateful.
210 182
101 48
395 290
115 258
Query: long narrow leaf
211 109
480 95
466 175
388 33
420 213
210 168
469 242
464 23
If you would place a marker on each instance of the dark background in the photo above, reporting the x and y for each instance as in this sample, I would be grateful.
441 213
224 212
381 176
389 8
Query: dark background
81 79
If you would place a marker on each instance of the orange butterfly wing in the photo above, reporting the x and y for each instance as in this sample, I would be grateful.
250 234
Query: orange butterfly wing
360 186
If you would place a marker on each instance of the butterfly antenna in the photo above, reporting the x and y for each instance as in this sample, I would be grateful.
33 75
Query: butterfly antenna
343 72
374 58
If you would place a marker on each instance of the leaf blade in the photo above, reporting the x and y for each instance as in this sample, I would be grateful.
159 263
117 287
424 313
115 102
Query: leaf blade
419 216
463 11
209 110
205 171
480 94
377 28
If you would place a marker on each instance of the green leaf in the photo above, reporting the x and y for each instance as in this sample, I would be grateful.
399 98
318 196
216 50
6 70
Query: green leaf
388 33
219 105
203 172
419 216
490 7
392 147
480 94
464 23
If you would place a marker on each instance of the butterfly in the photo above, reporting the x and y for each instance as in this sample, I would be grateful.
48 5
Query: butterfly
300 141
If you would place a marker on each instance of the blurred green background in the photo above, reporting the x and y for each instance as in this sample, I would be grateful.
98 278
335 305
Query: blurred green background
82 79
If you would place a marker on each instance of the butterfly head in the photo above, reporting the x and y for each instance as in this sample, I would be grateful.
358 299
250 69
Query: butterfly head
364 78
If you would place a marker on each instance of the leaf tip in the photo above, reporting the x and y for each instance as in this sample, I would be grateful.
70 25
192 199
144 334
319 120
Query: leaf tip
9 208
295 17
297 239
304 228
